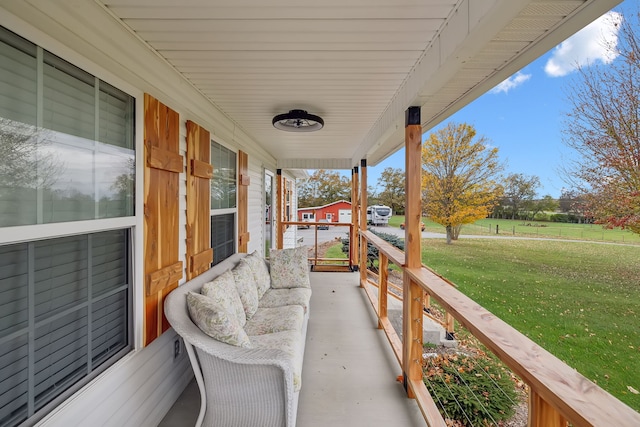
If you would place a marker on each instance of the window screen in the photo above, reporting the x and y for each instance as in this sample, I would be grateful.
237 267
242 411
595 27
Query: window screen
223 237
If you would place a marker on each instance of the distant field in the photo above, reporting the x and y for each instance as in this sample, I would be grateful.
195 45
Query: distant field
507 227
578 300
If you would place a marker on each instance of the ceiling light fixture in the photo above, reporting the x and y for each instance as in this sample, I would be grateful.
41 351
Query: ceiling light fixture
298 121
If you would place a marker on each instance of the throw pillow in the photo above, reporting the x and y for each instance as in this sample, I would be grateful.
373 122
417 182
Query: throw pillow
246 286
289 268
215 321
260 272
223 291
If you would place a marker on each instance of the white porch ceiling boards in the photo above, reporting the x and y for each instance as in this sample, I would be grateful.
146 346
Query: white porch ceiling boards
357 63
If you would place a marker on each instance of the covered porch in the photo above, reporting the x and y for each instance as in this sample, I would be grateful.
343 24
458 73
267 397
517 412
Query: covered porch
203 76
350 372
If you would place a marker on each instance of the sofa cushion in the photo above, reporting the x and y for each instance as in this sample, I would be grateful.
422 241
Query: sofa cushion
276 319
217 321
289 268
288 342
280 297
260 272
223 290
246 285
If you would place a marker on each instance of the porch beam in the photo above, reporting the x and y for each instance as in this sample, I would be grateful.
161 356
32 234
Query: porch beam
353 231
279 209
363 221
413 293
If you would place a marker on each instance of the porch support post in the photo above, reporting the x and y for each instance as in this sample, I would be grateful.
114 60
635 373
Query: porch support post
413 293
542 414
363 221
353 231
279 209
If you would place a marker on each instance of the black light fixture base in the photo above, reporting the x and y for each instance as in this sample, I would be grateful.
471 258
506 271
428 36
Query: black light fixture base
298 121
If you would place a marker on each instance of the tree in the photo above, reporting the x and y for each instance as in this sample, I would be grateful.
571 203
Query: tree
603 129
323 187
546 204
519 192
573 203
25 158
458 177
392 194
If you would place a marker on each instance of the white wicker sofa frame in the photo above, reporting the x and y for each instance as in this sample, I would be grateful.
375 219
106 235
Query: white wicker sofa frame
238 386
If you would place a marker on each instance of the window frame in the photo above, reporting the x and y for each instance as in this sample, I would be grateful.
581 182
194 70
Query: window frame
225 211
131 225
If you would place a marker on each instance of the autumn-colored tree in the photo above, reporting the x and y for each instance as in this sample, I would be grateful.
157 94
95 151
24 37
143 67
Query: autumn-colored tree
603 128
323 187
391 181
458 177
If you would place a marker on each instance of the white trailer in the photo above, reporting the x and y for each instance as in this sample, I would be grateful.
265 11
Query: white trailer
378 214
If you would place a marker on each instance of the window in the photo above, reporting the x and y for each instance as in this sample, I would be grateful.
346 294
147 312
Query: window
223 183
67 140
223 202
65 307
223 237
67 154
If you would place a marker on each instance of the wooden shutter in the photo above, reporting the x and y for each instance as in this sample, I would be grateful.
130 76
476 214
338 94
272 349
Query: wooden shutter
163 164
199 173
243 201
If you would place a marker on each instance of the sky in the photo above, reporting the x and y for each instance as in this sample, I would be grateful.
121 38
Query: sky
523 116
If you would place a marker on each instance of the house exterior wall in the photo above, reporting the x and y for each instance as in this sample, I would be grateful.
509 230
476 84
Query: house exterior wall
141 387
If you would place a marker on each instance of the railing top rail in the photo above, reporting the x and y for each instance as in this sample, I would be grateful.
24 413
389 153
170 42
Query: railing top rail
394 254
578 399
305 223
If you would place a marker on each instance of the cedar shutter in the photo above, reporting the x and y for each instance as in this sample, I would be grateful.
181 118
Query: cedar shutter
199 172
243 201
163 164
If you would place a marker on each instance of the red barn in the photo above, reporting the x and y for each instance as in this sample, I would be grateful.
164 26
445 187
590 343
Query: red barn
339 211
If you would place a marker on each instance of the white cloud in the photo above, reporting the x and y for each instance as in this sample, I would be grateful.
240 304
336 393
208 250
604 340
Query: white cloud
511 83
587 46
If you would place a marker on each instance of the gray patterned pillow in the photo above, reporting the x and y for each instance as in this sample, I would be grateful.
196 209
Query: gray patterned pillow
289 268
260 272
246 286
223 291
216 321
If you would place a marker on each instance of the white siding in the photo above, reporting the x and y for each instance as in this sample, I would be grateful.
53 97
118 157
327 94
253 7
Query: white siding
256 207
135 392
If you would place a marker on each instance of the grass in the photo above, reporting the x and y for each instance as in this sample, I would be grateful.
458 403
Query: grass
335 251
580 301
508 227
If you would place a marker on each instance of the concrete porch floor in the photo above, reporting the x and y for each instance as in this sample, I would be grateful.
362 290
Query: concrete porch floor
349 373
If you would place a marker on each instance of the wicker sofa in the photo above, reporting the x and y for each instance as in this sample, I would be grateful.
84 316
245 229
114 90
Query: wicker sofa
248 375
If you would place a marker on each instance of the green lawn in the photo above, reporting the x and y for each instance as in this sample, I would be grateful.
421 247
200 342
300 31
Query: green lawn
507 227
579 300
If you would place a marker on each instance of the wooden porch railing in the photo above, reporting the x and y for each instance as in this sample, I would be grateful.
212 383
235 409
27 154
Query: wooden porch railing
319 263
558 394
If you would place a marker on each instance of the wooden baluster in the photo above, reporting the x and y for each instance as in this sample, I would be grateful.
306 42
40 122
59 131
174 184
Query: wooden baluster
383 267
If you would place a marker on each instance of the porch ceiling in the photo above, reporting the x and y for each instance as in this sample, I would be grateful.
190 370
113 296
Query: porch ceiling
357 63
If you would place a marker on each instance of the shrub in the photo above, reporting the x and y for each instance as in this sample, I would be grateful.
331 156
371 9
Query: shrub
372 251
473 391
